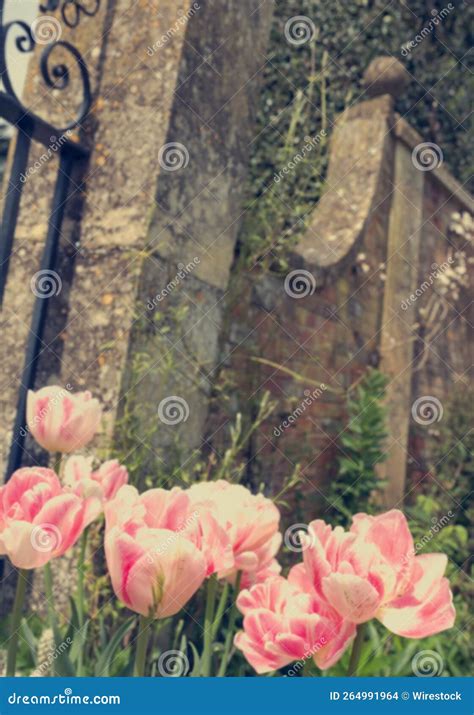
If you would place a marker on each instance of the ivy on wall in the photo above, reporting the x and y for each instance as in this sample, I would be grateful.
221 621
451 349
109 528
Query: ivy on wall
306 85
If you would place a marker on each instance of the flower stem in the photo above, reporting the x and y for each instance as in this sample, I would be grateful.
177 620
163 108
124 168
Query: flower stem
142 645
57 463
356 650
48 585
208 627
230 629
220 610
80 593
16 618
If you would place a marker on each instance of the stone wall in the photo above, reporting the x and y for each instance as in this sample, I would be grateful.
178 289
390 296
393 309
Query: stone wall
382 228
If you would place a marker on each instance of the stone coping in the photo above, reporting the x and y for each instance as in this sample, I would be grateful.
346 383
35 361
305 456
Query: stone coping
361 145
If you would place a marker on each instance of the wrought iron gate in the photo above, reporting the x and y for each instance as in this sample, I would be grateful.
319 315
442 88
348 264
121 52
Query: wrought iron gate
31 128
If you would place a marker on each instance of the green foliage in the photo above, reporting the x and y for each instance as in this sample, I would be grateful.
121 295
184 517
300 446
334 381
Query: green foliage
306 86
361 448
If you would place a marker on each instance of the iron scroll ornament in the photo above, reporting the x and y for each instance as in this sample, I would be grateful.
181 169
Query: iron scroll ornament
56 75
72 10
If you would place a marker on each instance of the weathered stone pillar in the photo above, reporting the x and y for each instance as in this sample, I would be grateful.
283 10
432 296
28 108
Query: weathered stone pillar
145 264
397 339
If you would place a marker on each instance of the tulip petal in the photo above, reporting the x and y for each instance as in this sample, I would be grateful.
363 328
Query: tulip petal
339 638
20 541
353 597
163 580
427 608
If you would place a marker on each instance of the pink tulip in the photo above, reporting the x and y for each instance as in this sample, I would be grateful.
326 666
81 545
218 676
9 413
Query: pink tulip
39 520
154 568
61 421
251 524
96 487
372 572
173 509
111 476
282 624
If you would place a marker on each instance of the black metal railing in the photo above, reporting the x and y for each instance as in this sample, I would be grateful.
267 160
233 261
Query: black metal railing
32 128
